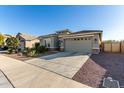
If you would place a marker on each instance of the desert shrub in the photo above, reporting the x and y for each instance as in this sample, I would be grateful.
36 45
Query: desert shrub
29 51
32 51
35 51
42 49
26 51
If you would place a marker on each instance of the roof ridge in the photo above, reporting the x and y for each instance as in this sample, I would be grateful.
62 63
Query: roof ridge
28 36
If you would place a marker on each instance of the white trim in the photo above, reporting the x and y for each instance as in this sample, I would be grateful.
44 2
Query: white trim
78 36
81 34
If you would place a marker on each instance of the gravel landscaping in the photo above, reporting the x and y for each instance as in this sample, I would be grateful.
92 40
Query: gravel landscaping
99 66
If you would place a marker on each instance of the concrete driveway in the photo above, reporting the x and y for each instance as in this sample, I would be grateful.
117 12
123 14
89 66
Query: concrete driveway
62 63
4 82
24 75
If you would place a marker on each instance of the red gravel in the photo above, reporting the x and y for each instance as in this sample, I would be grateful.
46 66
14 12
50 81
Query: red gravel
99 66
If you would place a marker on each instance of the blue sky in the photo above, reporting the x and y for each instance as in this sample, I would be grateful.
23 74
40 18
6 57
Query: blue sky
41 20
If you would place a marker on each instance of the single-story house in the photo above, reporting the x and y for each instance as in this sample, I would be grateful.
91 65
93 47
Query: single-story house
86 41
51 41
26 40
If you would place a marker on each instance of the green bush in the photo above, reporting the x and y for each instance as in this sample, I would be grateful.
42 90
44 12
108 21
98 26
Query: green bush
37 45
26 51
42 49
10 50
35 51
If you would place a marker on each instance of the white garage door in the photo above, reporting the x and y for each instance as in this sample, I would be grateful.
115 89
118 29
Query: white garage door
79 45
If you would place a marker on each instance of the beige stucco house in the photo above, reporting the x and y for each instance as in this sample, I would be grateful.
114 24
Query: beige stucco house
86 41
51 41
26 40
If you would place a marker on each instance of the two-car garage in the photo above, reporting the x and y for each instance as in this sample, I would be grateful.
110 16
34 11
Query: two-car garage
83 44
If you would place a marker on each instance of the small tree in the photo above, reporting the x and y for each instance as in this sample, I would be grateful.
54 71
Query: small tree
12 44
1 40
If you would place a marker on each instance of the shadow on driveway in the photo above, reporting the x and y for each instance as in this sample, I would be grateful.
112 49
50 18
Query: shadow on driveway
61 54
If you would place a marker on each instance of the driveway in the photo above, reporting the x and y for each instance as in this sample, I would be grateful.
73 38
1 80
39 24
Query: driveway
4 82
24 75
62 63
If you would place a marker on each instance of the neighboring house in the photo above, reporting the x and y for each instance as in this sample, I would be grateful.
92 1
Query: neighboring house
86 41
26 40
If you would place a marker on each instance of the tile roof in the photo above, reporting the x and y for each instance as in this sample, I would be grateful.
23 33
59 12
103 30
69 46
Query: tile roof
88 31
27 36
65 30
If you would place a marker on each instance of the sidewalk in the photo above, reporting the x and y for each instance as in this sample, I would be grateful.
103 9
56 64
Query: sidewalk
23 75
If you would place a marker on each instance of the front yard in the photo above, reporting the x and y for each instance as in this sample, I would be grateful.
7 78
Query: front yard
99 66
24 57
69 65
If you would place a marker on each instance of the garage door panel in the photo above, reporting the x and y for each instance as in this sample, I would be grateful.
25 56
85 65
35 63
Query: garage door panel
78 45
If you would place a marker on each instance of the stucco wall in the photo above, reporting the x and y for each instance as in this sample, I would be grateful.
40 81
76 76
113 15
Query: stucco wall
96 41
31 43
50 40
46 41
